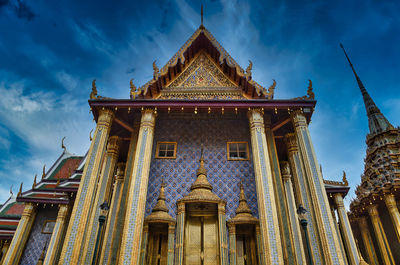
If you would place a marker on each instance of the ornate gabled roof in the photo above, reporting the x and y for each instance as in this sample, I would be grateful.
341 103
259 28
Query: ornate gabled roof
62 177
10 214
202 40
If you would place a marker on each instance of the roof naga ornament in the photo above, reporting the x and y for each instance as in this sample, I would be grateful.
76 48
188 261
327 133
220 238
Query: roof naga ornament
93 94
20 190
310 93
62 144
156 71
134 91
44 171
248 70
34 182
344 179
271 90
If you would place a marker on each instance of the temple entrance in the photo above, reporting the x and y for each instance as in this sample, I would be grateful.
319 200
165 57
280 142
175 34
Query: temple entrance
201 245
246 247
157 248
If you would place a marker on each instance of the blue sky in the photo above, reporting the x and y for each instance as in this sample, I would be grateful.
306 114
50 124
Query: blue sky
50 51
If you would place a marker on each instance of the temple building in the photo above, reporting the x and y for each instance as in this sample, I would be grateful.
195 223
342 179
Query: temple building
201 165
375 216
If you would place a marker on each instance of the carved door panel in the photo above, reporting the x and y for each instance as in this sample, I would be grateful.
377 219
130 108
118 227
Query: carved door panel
193 246
210 232
157 251
240 250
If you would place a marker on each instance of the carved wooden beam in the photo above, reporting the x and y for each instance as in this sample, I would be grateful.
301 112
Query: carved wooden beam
123 124
279 124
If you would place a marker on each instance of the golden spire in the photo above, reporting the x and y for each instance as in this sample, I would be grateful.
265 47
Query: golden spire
160 210
243 207
201 182
20 190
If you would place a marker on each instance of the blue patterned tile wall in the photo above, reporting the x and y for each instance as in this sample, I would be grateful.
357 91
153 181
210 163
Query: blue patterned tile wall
191 132
37 240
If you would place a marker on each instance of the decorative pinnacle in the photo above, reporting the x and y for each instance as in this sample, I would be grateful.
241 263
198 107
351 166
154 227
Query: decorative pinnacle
201 181
376 121
161 206
34 182
62 144
93 94
243 206
20 190
44 171
201 14
344 179
201 170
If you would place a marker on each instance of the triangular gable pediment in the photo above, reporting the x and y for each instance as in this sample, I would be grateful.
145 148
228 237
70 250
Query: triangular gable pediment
202 78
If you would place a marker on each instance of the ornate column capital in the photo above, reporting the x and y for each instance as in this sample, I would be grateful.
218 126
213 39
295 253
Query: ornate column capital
256 118
113 145
29 210
291 142
232 228
221 208
62 211
180 208
285 170
120 171
373 210
171 228
298 118
339 200
390 201
105 117
148 118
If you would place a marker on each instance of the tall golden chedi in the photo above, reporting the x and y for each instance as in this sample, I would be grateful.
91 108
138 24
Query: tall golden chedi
257 166
375 212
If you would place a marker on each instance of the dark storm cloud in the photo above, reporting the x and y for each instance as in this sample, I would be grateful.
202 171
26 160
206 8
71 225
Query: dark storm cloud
19 7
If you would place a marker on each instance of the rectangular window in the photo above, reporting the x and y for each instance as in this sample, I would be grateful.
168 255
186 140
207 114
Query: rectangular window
166 150
238 151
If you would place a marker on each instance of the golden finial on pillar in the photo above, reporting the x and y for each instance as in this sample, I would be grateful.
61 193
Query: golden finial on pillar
62 144
310 92
34 182
44 171
344 179
20 190
93 94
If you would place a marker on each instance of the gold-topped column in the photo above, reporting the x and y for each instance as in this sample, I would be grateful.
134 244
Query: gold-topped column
114 249
135 208
171 244
324 222
111 224
84 199
56 236
384 248
102 191
180 223
283 217
21 235
390 201
222 234
294 222
143 248
347 234
4 249
302 196
232 243
270 236
367 241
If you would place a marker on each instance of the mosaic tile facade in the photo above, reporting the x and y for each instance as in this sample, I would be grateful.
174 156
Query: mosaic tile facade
213 131
37 240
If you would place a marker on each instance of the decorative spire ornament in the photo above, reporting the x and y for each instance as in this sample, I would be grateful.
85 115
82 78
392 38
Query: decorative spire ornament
344 179
310 92
376 121
93 94
62 144
44 171
20 190
34 182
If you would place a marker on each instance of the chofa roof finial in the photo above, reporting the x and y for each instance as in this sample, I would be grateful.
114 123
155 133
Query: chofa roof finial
310 92
344 179
62 144
93 94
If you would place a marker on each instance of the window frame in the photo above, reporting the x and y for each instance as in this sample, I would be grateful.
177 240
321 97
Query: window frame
229 158
166 157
